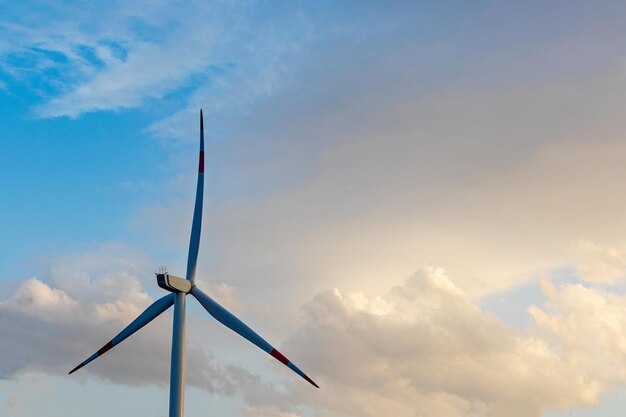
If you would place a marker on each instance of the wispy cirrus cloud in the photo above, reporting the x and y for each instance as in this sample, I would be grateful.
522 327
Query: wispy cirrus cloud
127 83
119 56
105 58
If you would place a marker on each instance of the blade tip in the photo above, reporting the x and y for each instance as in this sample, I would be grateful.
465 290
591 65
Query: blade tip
75 369
310 381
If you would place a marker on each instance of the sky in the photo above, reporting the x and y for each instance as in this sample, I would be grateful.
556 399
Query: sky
419 203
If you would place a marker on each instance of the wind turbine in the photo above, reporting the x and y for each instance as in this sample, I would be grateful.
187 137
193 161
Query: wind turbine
179 288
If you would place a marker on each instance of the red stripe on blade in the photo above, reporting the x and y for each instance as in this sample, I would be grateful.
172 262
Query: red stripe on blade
279 356
105 348
201 165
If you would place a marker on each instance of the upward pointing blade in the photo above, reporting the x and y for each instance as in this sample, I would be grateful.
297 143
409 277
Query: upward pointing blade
144 318
229 320
194 242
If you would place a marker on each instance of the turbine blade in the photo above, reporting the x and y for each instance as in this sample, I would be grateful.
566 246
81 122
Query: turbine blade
194 241
144 318
229 320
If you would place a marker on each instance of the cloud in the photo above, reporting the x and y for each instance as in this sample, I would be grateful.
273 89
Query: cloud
588 327
381 192
105 57
366 143
50 327
128 83
37 299
268 412
421 347
599 264
425 348
382 153
24 393
220 55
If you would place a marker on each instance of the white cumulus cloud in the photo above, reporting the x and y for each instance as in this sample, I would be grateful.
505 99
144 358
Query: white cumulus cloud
425 348
49 327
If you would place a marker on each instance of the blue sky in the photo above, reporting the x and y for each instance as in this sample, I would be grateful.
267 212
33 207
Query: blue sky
420 203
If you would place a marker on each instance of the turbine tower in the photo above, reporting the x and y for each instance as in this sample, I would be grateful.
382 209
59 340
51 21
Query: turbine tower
179 288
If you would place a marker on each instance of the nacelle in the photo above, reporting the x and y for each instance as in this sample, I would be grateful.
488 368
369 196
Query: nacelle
173 283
